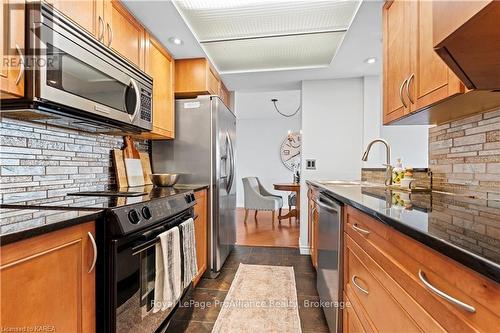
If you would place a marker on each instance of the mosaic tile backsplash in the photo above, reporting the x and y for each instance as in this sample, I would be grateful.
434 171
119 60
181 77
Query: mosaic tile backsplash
464 155
40 164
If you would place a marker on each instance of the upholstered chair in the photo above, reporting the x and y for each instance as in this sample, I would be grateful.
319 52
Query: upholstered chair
258 198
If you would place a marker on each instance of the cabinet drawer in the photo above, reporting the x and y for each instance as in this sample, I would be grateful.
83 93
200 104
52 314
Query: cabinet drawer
373 297
351 321
403 258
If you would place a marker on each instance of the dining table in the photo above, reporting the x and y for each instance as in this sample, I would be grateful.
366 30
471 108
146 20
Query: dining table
290 187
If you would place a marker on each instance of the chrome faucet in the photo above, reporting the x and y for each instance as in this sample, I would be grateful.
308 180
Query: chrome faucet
388 166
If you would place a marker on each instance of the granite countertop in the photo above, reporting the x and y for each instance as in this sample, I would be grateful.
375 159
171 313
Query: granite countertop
462 228
20 223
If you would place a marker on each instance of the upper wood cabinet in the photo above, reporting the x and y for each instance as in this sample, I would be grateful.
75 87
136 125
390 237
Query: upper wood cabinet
225 95
111 23
89 14
12 30
467 38
50 280
195 77
124 33
397 58
160 65
418 86
414 75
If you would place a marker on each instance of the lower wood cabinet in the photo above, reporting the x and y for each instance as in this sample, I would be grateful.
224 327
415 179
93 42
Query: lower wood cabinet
49 280
386 278
313 227
200 231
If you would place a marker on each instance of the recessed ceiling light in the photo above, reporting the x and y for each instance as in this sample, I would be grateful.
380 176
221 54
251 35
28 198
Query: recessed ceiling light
175 41
371 60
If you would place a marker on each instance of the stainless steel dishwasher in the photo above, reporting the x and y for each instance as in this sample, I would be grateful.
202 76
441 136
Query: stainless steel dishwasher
329 270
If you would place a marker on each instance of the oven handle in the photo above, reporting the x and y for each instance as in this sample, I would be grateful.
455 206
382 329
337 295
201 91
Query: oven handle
149 244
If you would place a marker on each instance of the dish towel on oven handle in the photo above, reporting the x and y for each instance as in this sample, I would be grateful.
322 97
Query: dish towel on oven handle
168 271
189 251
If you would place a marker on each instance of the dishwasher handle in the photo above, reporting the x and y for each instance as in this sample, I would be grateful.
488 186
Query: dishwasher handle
327 204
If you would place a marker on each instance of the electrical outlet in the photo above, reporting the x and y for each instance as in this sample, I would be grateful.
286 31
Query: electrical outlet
310 164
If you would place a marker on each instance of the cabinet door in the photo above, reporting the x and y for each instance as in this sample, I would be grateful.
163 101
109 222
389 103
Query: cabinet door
200 230
431 79
351 322
87 13
160 66
46 281
124 34
314 238
224 95
396 44
12 48
212 82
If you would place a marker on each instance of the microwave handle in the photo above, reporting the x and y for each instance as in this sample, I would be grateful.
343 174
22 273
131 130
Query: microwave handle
138 98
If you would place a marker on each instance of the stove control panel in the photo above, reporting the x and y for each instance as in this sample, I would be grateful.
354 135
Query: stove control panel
127 219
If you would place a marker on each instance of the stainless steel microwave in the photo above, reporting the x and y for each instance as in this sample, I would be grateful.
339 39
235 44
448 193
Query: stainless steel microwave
73 80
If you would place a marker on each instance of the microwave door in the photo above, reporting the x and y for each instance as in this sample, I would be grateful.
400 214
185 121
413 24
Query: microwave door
76 78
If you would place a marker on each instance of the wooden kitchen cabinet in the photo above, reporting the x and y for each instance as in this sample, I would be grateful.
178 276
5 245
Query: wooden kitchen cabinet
200 231
45 281
12 44
89 14
415 77
125 34
313 227
397 58
225 95
160 66
195 77
392 268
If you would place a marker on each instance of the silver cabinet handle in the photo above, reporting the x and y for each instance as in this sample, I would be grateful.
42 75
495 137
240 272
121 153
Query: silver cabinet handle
408 82
442 294
360 230
110 34
363 290
21 69
94 247
101 29
401 93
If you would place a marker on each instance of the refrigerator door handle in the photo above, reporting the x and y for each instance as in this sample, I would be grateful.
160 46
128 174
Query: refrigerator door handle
231 162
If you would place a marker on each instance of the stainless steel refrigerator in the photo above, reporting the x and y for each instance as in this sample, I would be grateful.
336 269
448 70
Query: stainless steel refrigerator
204 152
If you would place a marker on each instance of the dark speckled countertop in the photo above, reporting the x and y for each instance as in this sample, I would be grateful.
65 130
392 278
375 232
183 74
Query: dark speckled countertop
462 228
18 221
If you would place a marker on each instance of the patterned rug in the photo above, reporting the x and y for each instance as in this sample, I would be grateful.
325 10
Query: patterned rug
260 299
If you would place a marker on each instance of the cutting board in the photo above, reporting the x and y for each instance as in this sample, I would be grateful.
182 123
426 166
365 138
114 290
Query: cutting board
120 172
146 168
133 166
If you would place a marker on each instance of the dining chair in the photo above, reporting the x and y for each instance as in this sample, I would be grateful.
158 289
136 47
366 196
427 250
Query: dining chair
258 198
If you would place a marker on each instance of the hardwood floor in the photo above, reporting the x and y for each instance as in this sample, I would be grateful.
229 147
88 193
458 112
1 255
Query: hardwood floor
201 305
262 232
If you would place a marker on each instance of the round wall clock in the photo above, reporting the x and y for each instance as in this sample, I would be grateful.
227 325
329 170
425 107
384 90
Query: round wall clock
290 150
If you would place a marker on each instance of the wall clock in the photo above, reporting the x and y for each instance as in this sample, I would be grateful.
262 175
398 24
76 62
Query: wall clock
290 150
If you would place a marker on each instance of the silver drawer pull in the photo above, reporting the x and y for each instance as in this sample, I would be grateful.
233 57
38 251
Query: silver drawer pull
441 294
353 279
94 247
360 230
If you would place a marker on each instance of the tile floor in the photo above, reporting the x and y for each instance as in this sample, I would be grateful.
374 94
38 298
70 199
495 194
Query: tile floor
196 316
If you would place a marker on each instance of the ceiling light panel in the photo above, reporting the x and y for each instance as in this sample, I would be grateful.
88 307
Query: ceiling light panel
231 19
274 53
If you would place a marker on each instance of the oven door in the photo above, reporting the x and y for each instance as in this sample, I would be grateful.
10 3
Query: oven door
77 74
134 283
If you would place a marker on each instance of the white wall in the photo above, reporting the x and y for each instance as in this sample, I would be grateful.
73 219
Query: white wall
260 130
408 142
332 127
340 117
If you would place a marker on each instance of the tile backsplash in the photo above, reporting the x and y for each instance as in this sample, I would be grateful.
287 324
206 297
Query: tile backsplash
464 155
40 164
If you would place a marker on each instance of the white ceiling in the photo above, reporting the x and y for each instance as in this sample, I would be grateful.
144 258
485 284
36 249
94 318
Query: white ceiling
362 40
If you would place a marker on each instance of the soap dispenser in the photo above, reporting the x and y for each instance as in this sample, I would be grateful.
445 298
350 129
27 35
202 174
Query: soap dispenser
398 172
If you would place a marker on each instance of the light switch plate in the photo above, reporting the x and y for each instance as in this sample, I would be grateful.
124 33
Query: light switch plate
310 164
